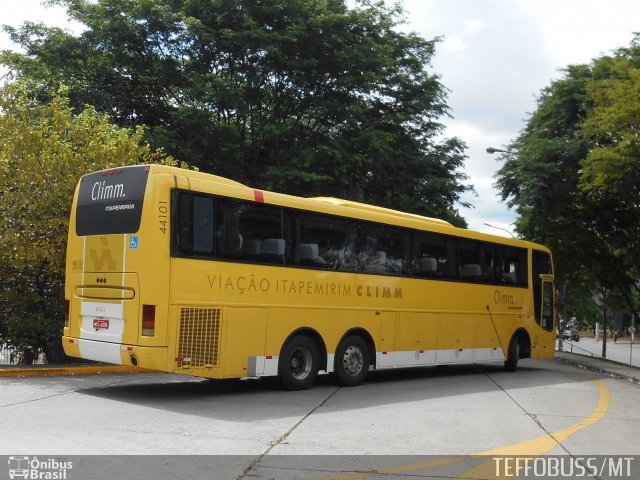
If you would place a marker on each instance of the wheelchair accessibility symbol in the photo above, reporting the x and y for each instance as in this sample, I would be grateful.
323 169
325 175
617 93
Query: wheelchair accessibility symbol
133 243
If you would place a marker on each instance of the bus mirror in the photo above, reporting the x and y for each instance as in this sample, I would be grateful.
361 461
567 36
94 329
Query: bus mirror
547 277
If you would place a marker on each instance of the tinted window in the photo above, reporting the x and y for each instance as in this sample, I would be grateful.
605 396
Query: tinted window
110 202
541 264
202 222
225 228
252 231
433 256
475 261
325 242
382 249
511 266
547 306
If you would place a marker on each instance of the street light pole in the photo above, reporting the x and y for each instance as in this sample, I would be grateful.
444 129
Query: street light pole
500 228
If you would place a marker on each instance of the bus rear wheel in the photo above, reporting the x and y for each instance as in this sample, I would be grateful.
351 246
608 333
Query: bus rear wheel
511 364
298 363
351 364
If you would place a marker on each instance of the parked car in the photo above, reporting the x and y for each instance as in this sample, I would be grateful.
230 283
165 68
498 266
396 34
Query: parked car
570 335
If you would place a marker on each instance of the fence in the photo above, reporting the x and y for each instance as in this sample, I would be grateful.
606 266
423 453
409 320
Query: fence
8 357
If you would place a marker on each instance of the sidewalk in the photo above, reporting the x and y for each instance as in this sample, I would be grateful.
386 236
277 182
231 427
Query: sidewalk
602 366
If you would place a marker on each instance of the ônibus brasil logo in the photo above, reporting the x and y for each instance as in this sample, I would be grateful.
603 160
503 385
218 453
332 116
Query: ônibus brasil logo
35 469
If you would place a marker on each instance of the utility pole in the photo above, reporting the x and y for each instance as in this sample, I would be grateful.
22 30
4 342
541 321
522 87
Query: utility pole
604 322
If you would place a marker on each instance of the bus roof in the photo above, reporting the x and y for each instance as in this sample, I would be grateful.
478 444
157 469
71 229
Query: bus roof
347 208
375 208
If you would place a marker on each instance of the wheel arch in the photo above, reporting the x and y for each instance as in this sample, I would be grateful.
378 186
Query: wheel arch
524 339
366 336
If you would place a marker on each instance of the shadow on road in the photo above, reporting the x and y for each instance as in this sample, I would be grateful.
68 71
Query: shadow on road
255 400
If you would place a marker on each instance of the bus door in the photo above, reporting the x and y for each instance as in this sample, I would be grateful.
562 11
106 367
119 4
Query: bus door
547 310
543 291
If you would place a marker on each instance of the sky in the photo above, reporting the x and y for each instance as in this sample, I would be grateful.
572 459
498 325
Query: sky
494 57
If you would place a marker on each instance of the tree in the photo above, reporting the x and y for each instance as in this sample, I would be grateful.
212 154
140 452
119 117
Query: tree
44 150
306 97
541 172
611 170
573 176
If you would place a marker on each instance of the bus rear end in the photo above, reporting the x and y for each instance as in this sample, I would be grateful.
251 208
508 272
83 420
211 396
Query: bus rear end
115 245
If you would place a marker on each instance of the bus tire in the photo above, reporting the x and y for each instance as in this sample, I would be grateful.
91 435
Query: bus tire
351 362
298 363
511 364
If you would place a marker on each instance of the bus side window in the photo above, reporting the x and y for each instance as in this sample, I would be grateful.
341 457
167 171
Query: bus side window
253 231
433 255
511 266
181 205
202 225
381 249
325 242
475 261
229 241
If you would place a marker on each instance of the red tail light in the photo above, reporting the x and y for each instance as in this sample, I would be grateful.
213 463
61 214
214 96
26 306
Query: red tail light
148 320
66 312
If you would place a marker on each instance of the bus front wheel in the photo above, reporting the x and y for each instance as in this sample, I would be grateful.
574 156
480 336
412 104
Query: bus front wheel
511 364
298 363
351 364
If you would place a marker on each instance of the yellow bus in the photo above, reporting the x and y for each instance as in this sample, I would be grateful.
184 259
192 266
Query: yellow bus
184 272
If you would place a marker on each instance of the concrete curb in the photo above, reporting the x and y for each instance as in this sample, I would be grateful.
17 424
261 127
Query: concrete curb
66 371
630 374
616 370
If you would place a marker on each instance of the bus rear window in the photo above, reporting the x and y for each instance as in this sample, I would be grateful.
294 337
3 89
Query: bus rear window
110 202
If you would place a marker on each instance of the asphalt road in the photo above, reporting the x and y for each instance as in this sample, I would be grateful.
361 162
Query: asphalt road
398 420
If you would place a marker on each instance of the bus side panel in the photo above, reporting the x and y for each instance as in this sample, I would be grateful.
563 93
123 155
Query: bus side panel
456 334
243 354
416 339
487 343
387 345
505 326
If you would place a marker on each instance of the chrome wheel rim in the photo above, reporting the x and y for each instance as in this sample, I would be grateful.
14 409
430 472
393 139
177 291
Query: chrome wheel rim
353 360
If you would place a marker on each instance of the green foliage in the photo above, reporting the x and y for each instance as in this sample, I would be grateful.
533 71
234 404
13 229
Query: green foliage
44 150
611 170
573 176
307 97
540 176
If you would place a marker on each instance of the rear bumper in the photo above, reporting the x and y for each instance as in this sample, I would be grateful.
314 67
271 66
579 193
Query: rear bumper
150 358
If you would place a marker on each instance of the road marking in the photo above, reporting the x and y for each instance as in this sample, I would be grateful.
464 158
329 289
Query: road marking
534 447
544 443
537 447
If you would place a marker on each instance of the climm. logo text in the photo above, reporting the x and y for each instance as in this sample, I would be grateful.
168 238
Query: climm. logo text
100 191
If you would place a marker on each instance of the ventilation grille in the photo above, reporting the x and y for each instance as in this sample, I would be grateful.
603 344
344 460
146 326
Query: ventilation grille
199 337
